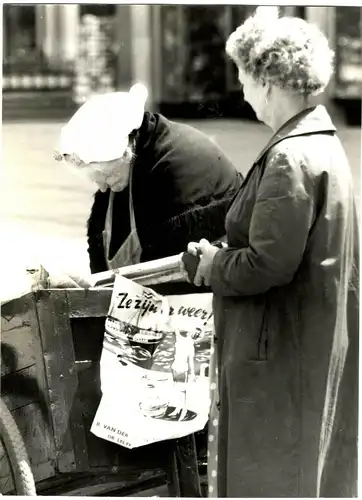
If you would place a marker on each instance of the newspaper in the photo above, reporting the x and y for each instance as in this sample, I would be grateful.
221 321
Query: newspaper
154 366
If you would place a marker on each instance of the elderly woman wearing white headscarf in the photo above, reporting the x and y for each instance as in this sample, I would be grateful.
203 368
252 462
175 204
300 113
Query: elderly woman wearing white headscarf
160 185
286 287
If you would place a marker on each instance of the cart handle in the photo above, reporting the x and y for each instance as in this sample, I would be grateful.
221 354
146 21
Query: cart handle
166 270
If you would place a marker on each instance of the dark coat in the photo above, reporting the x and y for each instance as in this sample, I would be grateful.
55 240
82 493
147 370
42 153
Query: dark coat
286 321
182 187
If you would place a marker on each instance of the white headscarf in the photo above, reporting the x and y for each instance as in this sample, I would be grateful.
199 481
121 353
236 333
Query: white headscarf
99 129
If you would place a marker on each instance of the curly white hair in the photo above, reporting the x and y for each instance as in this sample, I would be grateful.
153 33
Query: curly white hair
287 52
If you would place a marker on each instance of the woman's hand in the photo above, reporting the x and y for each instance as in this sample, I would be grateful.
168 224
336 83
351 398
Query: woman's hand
207 252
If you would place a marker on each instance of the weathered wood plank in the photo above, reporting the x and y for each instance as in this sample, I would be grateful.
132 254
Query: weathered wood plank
17 338
37 438
43 401
58 352
20 388
16 306
23 382
92 302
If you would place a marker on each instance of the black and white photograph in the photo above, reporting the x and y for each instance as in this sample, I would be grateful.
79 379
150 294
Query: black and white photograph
152 153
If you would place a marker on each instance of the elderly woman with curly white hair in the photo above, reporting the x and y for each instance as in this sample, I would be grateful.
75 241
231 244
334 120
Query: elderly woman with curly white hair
286 286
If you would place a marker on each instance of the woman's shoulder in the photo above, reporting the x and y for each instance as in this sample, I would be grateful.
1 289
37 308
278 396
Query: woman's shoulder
186 165
310 152
305 163
189 140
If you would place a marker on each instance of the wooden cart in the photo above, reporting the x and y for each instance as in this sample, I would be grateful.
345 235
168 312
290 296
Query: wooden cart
51 344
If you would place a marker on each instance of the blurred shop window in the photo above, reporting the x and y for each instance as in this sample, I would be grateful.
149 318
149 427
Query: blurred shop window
300 12
292 11
173 50
19 36
205 78
348 60
193 62
98 10
95 68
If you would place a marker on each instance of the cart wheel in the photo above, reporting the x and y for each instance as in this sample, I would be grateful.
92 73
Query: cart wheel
12 449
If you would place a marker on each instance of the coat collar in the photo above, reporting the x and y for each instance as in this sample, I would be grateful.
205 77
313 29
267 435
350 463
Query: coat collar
309 121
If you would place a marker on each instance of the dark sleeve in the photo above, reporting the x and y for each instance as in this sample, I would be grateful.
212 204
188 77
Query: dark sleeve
173 236
281 221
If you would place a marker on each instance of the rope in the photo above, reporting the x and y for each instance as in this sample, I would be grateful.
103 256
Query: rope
16 453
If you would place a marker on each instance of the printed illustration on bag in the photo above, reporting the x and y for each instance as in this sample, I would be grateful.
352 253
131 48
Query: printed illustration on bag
155 357
162 352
